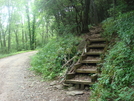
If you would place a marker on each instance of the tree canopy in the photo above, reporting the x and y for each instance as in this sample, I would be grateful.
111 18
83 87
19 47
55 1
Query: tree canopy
29 24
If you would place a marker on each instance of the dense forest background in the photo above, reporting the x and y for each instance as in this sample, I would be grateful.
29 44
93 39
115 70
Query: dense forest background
29 24
55 25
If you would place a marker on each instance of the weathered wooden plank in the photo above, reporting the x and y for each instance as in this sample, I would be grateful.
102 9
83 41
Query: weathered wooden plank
86 71
98 40
97 46
90 61
79 82
94 53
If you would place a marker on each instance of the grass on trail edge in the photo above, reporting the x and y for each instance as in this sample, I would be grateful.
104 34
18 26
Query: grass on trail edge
10 54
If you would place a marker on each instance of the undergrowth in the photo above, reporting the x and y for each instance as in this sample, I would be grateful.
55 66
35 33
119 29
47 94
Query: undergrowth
49 60
117 79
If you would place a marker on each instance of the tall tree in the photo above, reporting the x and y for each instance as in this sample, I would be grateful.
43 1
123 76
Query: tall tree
86 17
33 33
29 25
9 24
93 13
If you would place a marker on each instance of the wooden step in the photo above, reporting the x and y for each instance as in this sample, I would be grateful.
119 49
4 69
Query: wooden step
91 66
97 46
80 79
85 82
86 70
90 61
98 40
77 65
84 79
94 53
85 73
70 75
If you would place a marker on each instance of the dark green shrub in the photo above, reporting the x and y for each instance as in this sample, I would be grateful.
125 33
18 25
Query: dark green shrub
50 59
117 79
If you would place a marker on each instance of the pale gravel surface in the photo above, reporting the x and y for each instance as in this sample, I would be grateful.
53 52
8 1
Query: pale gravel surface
17 83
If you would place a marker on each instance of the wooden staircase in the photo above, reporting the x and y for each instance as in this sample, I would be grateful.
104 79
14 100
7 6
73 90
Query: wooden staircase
85 72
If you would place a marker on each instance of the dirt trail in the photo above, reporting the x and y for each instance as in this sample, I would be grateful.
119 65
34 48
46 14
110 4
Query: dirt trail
17 83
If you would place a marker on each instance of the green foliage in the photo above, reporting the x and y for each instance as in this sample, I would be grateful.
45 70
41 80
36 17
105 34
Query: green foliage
117 79
119 6
121 26
50 59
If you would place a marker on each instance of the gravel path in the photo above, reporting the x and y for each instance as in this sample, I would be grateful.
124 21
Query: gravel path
17 83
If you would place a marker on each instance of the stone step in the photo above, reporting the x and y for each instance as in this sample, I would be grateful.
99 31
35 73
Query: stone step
90 61
86 70
98 40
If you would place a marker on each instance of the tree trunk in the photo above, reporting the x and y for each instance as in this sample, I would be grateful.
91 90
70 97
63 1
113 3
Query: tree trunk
9 29
86 17
26 41
114 5
29 26
4 39
17 40
1 43
23 37
33 34
93 13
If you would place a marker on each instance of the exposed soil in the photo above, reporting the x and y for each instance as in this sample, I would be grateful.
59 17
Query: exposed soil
18 83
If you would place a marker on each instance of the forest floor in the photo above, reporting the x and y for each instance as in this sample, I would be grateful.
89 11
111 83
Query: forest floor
18 83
